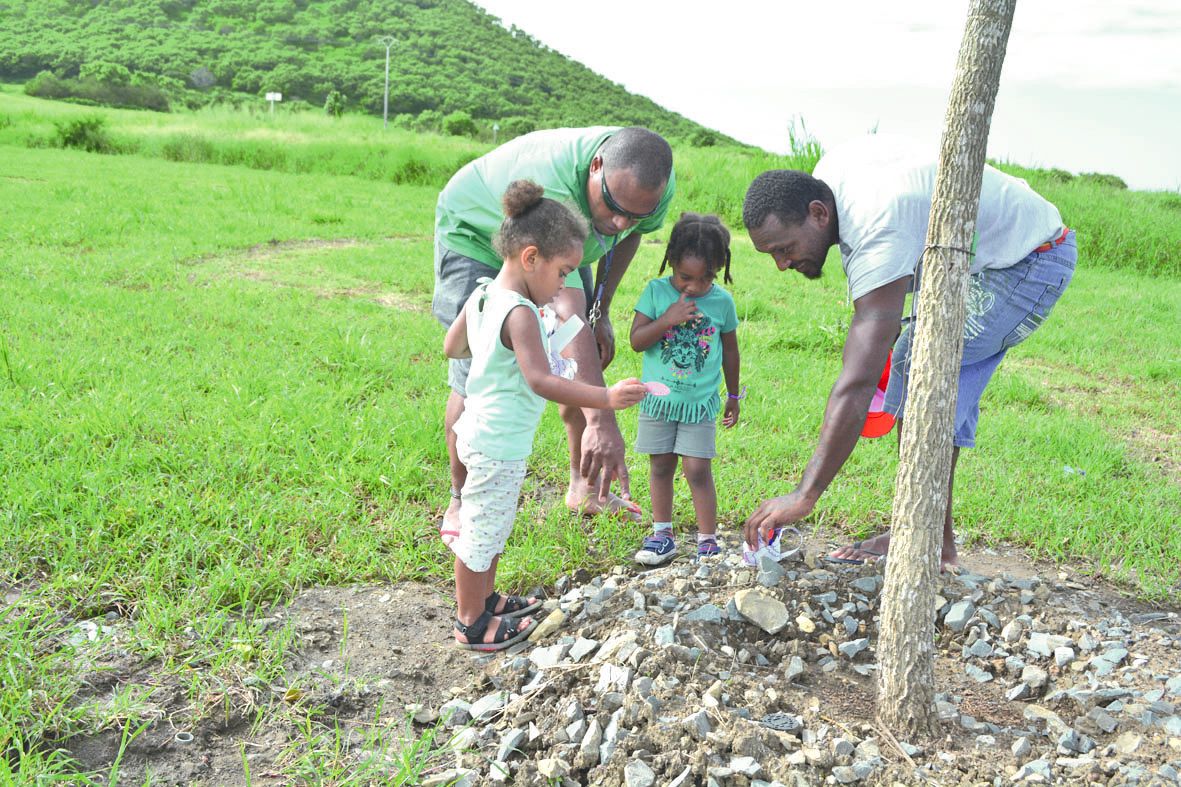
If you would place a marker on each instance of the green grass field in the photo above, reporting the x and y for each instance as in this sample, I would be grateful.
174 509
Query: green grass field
219 384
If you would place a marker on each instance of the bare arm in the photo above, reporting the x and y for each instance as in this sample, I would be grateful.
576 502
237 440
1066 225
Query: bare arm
876 319
520 333
455 342
731 362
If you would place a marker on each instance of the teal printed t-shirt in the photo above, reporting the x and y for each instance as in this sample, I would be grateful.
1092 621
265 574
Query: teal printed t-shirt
469 212
501 412
688 358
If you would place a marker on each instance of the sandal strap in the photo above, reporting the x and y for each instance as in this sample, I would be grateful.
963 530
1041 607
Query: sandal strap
474 631
512 604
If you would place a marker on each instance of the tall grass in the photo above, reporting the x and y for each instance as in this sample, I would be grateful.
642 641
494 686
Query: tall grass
1117 229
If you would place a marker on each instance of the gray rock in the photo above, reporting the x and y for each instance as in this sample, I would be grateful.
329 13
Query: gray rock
612 735
1100 666
637 774
977 674
867 585
488 706
665 635
1043 643
795 668
747 766
508 743
1034 771
1115 655
582 648
1019 692
575 730
612 677
980 649
850 649
545 658
1021 748
710 613
455 712
958 616
845 775
1034 676
697 725
553 768
769 614
1173 685
588 749
1012 632
1063 656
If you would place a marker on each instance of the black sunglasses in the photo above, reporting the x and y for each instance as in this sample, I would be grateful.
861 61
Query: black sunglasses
618 209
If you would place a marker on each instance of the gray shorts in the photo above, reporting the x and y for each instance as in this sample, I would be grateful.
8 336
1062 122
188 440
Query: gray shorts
456 277
1004 307
658 436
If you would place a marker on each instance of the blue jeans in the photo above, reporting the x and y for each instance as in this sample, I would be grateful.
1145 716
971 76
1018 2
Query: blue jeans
1004 307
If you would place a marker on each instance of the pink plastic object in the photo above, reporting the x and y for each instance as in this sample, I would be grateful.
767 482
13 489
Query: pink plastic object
657 388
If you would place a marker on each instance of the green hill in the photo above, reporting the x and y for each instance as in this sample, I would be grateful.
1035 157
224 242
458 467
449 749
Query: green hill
449 56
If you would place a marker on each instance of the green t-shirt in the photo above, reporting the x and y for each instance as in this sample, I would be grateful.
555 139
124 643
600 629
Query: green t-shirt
688 358
468 212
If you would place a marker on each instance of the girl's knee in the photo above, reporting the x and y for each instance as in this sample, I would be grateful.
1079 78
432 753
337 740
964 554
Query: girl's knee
663 465
698 472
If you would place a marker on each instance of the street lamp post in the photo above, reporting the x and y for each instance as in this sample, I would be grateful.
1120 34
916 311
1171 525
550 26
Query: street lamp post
387 42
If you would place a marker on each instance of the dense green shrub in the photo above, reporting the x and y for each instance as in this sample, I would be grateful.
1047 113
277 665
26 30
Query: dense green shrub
87 133
334 103
1103 179
459 124
91 91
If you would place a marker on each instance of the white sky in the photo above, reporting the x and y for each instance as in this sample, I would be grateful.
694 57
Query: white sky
1086 86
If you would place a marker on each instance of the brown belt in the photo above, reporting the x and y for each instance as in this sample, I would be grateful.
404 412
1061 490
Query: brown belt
1052 243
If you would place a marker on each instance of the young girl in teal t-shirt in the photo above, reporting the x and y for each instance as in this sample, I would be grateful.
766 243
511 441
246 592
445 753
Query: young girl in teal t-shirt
685 325
512 374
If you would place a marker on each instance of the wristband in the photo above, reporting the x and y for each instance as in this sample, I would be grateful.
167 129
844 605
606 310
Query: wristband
738 396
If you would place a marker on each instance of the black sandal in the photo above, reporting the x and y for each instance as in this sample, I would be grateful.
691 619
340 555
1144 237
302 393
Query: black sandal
506 633
514 606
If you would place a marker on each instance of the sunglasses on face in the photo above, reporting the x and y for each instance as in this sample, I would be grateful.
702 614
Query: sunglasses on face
616 208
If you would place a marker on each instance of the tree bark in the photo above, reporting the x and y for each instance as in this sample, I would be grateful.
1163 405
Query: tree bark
906 689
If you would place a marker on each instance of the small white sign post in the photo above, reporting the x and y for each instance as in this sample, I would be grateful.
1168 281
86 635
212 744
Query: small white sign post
273 97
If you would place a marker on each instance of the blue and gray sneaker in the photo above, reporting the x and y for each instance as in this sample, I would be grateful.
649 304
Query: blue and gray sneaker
708 547
657 549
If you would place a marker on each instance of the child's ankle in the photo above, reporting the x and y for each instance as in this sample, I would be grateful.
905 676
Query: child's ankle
703 536
662 527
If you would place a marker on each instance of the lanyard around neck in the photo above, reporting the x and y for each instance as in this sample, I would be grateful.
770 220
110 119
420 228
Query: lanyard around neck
596 311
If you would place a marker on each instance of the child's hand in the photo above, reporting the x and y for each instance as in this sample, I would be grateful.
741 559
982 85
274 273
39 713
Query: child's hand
683 310
625 393
730 418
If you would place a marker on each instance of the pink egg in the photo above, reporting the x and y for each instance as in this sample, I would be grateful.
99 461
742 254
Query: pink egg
657 389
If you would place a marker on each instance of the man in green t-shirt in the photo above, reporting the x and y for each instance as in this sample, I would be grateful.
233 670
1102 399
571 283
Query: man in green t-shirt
622 181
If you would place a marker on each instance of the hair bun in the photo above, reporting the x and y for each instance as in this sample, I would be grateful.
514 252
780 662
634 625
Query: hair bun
520 197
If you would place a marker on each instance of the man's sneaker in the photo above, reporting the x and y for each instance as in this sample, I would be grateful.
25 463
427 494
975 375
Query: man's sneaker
708 547
657 549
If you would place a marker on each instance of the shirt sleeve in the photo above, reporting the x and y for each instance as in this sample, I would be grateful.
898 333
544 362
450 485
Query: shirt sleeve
884 255
647 303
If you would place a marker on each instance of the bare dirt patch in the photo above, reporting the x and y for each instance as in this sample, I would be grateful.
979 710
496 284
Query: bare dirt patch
264 263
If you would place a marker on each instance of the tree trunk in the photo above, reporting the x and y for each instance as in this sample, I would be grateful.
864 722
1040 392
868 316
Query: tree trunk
906 690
